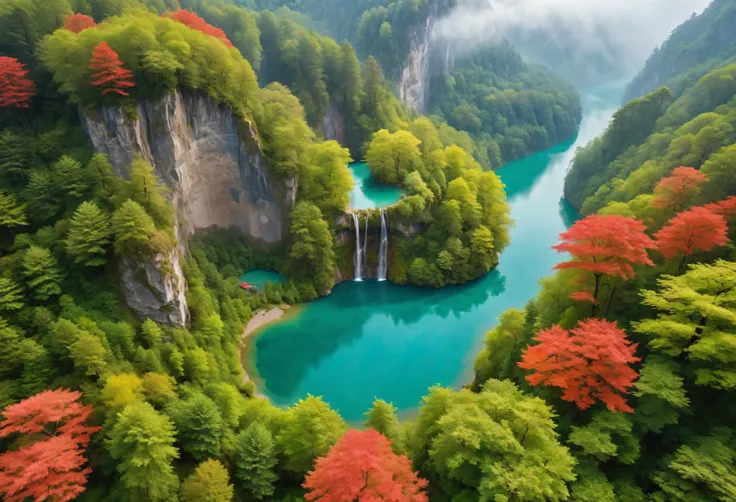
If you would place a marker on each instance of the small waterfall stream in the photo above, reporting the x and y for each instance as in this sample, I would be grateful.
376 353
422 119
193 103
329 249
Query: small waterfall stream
383 251
359 251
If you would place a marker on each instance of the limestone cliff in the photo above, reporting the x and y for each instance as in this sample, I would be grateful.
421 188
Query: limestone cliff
333 125
211 161
425 58
213 164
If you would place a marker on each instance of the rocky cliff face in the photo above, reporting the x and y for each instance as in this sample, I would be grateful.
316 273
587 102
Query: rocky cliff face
213 164
211 161
425 58
333 125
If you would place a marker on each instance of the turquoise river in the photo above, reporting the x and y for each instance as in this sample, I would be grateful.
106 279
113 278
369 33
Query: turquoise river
379 340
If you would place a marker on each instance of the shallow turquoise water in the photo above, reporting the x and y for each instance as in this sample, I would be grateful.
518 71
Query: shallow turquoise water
368 193
259 278
371 339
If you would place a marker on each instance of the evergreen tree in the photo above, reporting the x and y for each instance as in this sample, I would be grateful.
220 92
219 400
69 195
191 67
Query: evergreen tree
89 235
142 443
70 179
311 256
382 418
208 483
11 296
311 429
41 273
133 229
255 461
12 214
200 426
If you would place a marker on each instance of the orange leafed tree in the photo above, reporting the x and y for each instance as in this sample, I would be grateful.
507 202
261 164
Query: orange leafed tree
677 189
16 88
590 363
110 74
50 463
362 467
195 22
725 207
78 22
604 246
696 229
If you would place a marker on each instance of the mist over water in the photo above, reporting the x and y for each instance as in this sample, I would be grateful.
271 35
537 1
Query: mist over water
586 40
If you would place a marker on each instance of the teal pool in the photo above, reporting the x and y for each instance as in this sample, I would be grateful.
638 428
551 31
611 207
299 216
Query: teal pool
371 339
368 193
259 278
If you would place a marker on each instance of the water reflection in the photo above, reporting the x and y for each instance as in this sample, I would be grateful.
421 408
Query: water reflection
373 339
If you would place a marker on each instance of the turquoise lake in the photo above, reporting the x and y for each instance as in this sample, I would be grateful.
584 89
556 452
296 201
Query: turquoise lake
367 193
259 278
379 340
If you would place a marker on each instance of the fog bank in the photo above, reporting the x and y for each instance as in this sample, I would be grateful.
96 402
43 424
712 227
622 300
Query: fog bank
587 40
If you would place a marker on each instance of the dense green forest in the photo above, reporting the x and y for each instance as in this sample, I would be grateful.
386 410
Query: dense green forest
510 108
701 44
615 383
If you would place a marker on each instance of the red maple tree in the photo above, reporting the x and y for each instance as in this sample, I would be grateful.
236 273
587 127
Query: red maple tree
78 22
604 245
362 467
49 464
110 72
16 88
725 207
589 363
677 189
195 22
696 229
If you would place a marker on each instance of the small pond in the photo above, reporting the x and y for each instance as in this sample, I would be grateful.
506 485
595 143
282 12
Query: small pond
259 278
367 192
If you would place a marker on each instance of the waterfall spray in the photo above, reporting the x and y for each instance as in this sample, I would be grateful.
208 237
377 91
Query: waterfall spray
358 249
383 252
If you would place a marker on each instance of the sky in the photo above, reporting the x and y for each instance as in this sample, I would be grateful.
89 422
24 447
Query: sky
620 34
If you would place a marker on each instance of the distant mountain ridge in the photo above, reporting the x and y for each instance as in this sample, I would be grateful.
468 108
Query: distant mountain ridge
696 47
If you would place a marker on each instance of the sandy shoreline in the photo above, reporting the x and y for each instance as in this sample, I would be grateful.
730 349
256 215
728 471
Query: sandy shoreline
259 319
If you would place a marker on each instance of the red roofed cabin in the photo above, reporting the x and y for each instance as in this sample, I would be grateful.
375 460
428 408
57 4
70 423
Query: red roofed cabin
249 288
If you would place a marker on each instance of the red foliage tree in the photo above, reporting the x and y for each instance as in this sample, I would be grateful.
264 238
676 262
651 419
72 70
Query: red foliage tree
604 245
677 189
589 363
725 207
78 22
195 22
16 88
111 75
49 465
362 467
696 229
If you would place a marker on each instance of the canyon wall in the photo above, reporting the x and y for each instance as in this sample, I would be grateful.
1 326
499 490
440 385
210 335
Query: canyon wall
213 164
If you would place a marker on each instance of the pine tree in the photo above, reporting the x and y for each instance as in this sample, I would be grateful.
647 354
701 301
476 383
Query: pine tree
255 461
89 235
142 443
12 214
70 179
208 483
11 296
41 272
200 426
382 418
16 88
110 74
133 228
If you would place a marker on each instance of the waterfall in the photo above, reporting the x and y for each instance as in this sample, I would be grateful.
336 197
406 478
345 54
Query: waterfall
382 258
365 239
358 249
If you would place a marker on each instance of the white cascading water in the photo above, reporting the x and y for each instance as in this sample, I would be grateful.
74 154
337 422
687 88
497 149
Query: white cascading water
358 249
365 239
383 251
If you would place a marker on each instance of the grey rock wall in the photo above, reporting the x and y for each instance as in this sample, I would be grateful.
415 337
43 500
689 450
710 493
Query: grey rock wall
213 164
